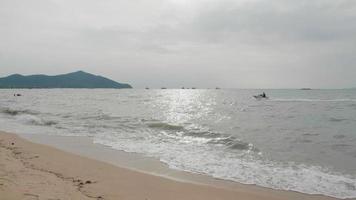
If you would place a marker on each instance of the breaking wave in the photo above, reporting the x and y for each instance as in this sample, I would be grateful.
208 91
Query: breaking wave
34 120
242 168
27 117
199 132
184 134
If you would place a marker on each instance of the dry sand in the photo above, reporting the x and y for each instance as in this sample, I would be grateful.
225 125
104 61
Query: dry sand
35 171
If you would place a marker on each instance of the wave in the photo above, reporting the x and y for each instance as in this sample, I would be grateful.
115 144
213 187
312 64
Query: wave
333 119
314 100
186 134
215 149
353 105
14 112
242 168
240 145
165 126
280 176
34 120
27 117
100 116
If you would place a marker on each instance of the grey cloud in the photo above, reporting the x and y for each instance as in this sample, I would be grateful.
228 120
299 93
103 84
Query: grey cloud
283 20
230 43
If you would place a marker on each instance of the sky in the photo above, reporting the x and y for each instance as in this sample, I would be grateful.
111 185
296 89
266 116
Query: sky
191 43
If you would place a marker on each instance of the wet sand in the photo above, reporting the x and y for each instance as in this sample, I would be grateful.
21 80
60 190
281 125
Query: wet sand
34 171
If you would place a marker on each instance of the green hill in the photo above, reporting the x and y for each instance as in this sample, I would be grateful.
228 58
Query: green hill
77 79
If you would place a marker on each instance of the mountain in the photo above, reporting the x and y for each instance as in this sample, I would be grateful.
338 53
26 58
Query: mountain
77 79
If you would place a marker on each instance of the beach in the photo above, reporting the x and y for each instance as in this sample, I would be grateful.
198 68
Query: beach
297 143
35 171
178 99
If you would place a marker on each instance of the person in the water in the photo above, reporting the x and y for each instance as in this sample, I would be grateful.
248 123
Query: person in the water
263 95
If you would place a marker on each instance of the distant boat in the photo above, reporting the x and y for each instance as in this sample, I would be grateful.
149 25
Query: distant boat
193 88
217 88
183 88
147 88
305 88
163 88
261 96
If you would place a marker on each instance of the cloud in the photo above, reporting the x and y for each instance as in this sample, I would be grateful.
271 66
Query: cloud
230 43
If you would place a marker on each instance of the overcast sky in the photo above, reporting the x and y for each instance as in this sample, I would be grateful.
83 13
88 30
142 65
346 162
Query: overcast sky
174 43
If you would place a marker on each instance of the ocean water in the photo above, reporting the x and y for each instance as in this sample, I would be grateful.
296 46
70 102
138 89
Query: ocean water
299 140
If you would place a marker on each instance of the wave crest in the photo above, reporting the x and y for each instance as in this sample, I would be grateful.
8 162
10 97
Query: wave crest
165 126
34 120
14 112
185 134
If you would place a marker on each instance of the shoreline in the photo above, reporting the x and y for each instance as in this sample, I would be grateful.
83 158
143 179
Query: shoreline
30 169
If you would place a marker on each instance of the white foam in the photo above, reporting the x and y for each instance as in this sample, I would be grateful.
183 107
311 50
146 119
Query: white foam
33 120
183 152
243 167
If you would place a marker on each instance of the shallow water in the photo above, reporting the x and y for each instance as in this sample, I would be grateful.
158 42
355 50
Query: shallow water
297 140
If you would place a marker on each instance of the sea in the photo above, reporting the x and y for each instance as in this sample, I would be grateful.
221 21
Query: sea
297 140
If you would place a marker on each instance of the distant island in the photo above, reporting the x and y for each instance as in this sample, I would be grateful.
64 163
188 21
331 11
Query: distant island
79 79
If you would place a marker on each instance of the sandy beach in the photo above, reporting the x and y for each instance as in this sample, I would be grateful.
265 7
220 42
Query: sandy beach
35 171
178 100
